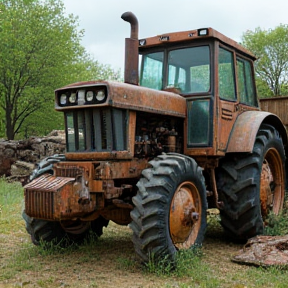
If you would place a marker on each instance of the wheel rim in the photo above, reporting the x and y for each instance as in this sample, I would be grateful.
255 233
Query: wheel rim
272 183
75 227
185 215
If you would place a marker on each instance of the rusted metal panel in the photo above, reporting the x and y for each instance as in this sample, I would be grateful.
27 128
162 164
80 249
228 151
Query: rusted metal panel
192 35
121 170
116 155
126 96
276 105
131 132
227 116
245 129
149 100
117 215
57 198
244 132
79 188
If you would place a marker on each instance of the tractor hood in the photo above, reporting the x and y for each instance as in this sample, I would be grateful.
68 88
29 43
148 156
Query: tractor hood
125 96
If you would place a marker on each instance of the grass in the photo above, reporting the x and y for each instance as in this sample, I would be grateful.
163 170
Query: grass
111 258
278 224
188 266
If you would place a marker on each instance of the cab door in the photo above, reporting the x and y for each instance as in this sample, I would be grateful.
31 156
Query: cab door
228 106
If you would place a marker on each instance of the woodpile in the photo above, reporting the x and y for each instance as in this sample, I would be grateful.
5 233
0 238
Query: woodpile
18 158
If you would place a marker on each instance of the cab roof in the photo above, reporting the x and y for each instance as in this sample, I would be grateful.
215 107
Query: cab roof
191 35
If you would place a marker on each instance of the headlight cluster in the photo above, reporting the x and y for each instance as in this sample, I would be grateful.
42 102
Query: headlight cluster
82 96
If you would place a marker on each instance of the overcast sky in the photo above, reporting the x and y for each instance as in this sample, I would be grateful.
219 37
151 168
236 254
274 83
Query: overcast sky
105 31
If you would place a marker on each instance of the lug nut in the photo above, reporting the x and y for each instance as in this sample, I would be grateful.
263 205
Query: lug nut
195 216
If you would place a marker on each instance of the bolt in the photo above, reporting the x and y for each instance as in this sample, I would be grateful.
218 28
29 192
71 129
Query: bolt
195 216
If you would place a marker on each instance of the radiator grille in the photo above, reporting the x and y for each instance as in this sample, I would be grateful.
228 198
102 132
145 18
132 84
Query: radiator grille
97 130
41 196
39 204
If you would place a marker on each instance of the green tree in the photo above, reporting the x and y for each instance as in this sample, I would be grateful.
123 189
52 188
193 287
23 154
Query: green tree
40 51
85 70
271 49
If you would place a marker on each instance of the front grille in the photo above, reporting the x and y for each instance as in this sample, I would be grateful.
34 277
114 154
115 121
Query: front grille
43 198
39 204
96 130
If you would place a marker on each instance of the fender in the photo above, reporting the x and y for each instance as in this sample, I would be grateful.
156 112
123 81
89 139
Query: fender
246 126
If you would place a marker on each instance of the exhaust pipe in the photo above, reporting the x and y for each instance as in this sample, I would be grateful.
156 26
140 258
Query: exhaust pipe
131 50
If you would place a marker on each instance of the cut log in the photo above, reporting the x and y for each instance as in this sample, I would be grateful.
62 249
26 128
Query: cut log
17 158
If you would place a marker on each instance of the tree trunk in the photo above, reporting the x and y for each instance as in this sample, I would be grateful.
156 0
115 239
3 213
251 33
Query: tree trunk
9 126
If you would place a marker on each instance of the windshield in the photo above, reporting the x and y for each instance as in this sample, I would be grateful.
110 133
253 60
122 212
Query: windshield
188 70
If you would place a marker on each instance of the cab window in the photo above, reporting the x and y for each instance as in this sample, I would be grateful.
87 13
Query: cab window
227 89
245 82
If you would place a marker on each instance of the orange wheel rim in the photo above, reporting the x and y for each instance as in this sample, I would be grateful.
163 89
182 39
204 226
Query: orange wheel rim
272 183
185 215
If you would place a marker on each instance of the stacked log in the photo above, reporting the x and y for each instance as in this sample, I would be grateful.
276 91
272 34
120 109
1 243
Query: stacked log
18 158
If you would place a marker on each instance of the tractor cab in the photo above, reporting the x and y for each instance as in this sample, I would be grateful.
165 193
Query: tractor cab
212 72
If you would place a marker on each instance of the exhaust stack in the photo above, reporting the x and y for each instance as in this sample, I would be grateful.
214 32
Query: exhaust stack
131 50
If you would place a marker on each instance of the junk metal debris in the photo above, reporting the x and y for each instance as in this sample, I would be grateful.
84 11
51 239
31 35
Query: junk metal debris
264 251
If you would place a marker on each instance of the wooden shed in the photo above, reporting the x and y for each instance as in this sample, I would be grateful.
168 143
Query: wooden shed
276 105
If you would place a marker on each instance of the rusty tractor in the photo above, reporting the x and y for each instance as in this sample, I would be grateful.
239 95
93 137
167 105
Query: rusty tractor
182 135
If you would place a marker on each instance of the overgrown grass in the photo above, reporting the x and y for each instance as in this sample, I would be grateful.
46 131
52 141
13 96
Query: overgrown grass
11 202
188 263
111 258
11 195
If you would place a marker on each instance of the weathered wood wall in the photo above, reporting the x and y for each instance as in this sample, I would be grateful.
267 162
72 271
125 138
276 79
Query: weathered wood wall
278 106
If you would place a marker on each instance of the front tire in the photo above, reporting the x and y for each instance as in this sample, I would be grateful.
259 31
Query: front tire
55 231
252 185
170 208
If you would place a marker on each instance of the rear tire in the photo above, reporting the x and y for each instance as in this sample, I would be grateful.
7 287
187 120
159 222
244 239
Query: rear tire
170 208
252 185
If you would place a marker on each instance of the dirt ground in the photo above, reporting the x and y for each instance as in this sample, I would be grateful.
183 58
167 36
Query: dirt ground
109 262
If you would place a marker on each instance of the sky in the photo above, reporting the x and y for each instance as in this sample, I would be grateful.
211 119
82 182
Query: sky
105 31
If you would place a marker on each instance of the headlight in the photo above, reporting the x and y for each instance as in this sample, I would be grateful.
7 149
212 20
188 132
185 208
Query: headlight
73 98
100 96
81 97
89 96
63 99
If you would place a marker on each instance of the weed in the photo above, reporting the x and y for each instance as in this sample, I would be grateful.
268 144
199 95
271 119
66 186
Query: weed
54 247
162 266
277 224
183 260
46 282
126 264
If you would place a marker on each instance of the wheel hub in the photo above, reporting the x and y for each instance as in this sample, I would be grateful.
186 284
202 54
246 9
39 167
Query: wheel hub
185 215
266 196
